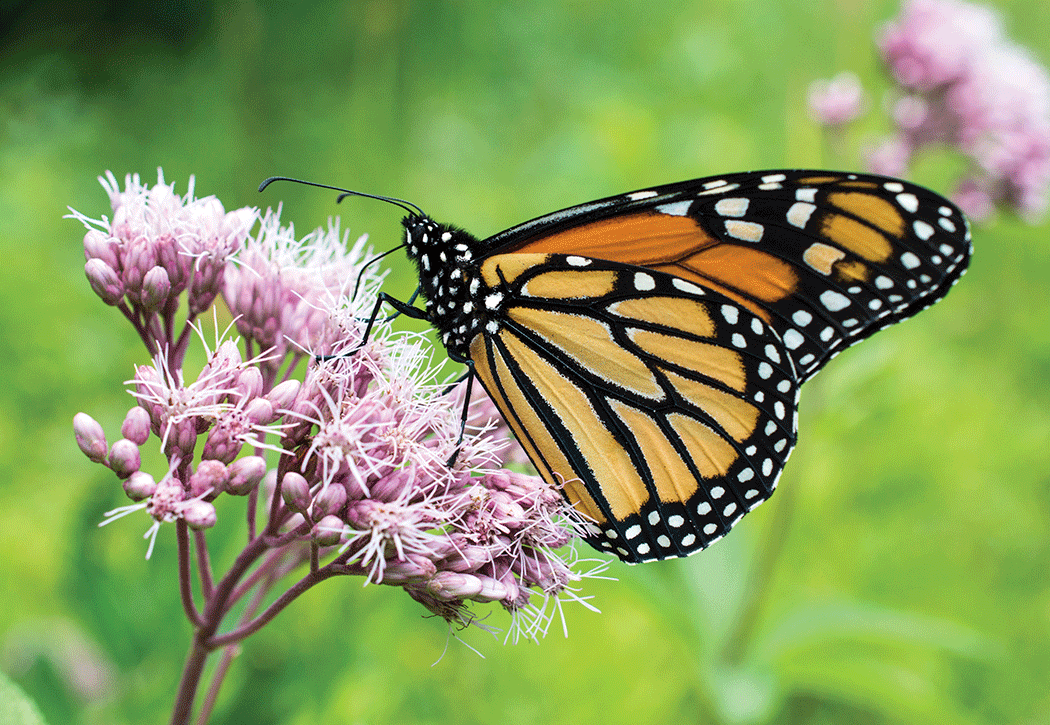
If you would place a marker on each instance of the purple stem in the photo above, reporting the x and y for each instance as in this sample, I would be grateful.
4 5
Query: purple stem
314 577
203 563
185 583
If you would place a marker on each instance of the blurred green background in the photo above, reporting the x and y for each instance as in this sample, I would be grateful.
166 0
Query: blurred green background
900 575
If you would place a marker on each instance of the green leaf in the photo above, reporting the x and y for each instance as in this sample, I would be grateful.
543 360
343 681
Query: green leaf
15 706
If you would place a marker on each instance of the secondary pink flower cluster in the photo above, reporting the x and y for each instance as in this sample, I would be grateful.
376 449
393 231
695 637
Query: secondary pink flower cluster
360 462
963 84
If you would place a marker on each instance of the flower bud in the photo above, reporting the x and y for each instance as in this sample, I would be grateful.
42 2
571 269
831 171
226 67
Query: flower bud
259 411
250 382
467 557
447 585
222 446
330 500
98 245
199 514
209 478
124 458
90 437
136 425
283 395
295 491
155 289
245 474
104 281
181 438
328 531
414 568
139 485
390 487
492 590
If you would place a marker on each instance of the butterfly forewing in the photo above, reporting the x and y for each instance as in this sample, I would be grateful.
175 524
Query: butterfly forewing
674 407
825 258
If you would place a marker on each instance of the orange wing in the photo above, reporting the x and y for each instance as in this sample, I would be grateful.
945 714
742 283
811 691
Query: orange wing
826 259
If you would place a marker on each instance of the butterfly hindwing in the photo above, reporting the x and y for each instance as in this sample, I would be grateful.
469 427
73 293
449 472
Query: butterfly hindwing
674 406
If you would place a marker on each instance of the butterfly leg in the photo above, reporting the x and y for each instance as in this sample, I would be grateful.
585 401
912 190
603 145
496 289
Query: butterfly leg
402 308
469 377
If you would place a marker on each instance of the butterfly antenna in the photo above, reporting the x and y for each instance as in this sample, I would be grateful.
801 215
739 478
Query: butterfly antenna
406 205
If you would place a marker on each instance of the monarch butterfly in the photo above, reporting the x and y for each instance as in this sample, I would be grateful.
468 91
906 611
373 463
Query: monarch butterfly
647 349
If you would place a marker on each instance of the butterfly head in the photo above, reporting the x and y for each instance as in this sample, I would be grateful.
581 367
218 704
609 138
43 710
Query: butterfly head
446 258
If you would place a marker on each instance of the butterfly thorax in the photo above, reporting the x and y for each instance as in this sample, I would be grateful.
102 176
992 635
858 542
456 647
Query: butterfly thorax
446 259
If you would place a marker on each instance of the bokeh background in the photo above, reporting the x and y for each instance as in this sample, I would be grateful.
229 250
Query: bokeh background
900 575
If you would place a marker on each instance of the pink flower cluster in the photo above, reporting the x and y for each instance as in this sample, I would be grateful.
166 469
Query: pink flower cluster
351 460
963 84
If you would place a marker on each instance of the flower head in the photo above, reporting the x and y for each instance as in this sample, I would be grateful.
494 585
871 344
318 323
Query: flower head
280 286
365 466
836 101
160 244
966 85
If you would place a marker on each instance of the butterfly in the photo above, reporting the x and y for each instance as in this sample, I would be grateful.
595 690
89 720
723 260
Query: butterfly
647 349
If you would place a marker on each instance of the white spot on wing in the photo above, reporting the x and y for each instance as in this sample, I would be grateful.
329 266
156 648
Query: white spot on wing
677 208
575 261
909 260
799 213
744 231
685 286
802 318
644 282
809 195
793 338
834 301
735 206
721 189
908 202
922 230
637 195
